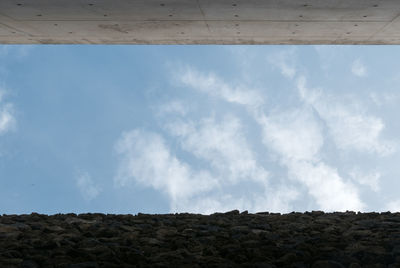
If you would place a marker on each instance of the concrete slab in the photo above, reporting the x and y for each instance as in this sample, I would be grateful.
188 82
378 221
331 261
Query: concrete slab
200 21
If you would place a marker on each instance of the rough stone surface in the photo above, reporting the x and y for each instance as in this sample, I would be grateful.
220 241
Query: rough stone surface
311 239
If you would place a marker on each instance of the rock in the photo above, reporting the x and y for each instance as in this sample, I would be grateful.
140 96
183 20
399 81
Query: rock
164 233
127 228
29 264
232 212
84 265
55 229
21 226
9 232
288 258
72 220
151 241
188 232
258 231
12 261
312 239
240 229
327 264
106 232
262 213
7 228
36 226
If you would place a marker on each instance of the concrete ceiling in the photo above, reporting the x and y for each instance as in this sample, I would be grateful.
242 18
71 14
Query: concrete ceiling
200 21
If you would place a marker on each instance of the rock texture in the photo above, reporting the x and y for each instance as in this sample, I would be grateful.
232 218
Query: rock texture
311 239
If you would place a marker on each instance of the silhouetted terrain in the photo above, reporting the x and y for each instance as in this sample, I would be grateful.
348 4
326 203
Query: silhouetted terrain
311 239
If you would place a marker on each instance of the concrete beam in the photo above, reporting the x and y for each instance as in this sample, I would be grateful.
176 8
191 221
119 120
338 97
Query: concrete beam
199 21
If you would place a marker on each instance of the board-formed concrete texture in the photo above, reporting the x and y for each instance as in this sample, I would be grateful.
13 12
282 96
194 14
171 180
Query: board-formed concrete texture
200 21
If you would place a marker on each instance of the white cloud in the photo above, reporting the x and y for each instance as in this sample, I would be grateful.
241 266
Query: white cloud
223 145
350 126
284 60
87 187
175 107
212 85
393 206
7 119
368 179
383 98
358 68
17 52
308 96
297 137
180 128
279 199
330 191
357 131
147 160
294 134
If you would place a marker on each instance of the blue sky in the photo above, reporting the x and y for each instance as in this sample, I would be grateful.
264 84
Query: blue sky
159 129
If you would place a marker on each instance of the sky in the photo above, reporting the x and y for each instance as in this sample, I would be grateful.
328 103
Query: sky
199 129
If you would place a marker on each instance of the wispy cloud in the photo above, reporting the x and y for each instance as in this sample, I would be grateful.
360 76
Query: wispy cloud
88 189
147 160
370 179
350 126
384 98
358 68
174 107
297 138
393 206
213 85
285 61
223 145
17 52
7 118
294 134
331 192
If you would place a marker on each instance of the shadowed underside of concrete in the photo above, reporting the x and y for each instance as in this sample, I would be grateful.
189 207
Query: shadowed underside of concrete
200 21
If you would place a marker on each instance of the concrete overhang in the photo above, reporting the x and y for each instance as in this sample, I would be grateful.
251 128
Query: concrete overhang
199 21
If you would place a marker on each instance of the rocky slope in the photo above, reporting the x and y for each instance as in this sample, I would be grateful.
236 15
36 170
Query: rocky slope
233 239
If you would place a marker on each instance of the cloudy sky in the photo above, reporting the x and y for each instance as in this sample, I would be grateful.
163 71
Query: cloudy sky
201 129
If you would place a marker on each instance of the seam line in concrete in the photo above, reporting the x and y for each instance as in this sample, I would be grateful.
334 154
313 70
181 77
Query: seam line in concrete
381 29
204 17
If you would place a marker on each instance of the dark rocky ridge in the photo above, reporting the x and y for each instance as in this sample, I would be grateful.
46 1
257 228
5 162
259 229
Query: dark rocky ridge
233 239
